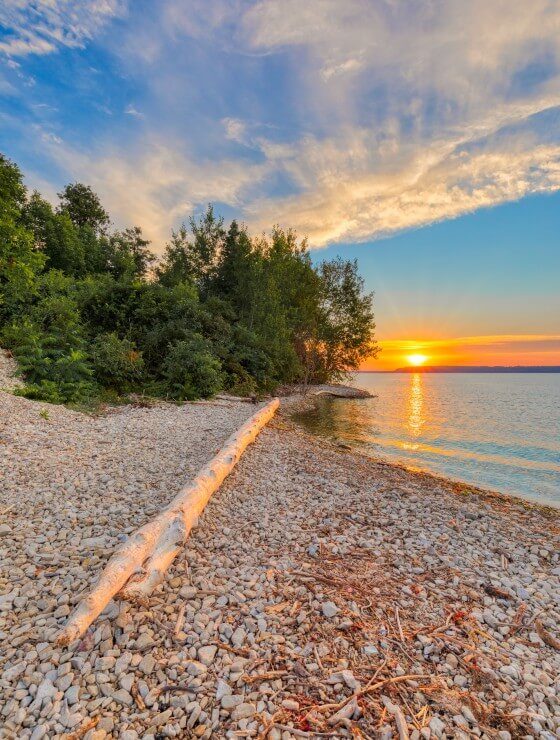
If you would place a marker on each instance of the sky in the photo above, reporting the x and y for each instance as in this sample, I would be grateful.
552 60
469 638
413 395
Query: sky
421 138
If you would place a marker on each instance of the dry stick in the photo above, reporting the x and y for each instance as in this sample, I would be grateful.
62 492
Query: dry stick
399 623
396 711
180 620
545 636
157 543
83 729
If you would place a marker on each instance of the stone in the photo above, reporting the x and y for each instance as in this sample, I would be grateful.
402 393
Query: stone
243 711
147 664
122 697
207 654
329 609
222 689
229 701
290 705
144 641
195 668
437 726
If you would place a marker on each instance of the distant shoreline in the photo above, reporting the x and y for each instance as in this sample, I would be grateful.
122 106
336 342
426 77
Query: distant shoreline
521 369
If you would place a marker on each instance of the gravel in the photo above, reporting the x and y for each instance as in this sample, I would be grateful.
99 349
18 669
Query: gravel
321 591
8 368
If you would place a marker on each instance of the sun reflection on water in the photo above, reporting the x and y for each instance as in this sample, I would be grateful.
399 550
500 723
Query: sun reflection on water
416 418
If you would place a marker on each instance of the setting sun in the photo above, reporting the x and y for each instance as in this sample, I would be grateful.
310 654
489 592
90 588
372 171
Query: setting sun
416 359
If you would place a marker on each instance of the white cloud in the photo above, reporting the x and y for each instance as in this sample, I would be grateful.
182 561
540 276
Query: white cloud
42 26
400 113
404 92
130 110
234 129
342 201
155 186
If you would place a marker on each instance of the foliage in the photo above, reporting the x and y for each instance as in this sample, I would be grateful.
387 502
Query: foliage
191 370
87 310
116 362
83 207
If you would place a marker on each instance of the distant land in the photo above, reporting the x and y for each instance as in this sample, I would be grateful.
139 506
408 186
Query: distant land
475 369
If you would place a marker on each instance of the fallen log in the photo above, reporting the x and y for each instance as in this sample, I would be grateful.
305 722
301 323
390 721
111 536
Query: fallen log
139 564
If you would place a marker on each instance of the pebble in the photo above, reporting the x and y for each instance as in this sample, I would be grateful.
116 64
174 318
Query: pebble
330 609
84 484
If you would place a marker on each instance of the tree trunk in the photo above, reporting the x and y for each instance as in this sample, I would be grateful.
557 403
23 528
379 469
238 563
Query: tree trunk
140 563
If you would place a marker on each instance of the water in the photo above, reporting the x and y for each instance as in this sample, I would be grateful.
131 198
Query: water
500 432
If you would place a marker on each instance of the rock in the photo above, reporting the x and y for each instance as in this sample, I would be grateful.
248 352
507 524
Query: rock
195 668
437 726
222 689
11 673
329 609
147 664
242 711
238 637
370 650
509 670
290 705
5 530
122 697
144 641
207 654
346 677
229 701
451 660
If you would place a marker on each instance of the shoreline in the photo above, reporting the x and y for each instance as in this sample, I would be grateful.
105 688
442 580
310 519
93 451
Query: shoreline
300 403
322 591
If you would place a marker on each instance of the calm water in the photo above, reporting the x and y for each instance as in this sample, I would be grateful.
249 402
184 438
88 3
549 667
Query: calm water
494 431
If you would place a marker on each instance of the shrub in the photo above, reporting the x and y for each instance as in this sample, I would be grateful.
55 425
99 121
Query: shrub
191 370
116 362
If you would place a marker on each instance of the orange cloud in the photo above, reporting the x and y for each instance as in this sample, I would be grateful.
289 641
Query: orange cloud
501 349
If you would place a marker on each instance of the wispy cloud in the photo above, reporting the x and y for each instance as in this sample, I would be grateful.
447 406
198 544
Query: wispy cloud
157 186
42 26
130 110
356 119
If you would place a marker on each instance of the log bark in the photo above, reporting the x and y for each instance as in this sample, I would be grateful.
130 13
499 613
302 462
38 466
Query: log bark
140 563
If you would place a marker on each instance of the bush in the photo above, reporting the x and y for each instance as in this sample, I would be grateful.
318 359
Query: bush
191 370
116 362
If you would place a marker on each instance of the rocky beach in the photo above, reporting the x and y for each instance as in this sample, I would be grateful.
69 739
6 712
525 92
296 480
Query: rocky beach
322 594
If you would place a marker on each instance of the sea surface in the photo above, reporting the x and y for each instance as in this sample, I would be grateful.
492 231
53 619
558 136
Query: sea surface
500 431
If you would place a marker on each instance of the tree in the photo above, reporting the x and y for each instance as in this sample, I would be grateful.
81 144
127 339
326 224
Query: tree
345 335
208 236
86 310
129 254
84 207
55 235
236 274
176 265
20 262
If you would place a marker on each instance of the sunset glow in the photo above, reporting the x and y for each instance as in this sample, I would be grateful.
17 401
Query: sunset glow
416 359
502 349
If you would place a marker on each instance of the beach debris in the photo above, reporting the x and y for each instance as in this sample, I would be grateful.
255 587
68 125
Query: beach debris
546 636
140 563
402 556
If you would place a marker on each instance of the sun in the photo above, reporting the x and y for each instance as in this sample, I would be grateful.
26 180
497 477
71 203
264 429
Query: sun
416 359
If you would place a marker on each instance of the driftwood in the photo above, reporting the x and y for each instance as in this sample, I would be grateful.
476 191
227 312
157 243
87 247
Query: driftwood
140 563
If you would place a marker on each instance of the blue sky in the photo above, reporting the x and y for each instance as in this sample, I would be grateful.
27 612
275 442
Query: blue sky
418 137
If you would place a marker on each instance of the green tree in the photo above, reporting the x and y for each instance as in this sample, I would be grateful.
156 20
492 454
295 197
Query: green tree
20 262
345 335
83 207
191 370
55 235
128 253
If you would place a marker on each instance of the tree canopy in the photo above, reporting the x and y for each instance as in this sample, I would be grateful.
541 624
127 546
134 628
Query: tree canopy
89 312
